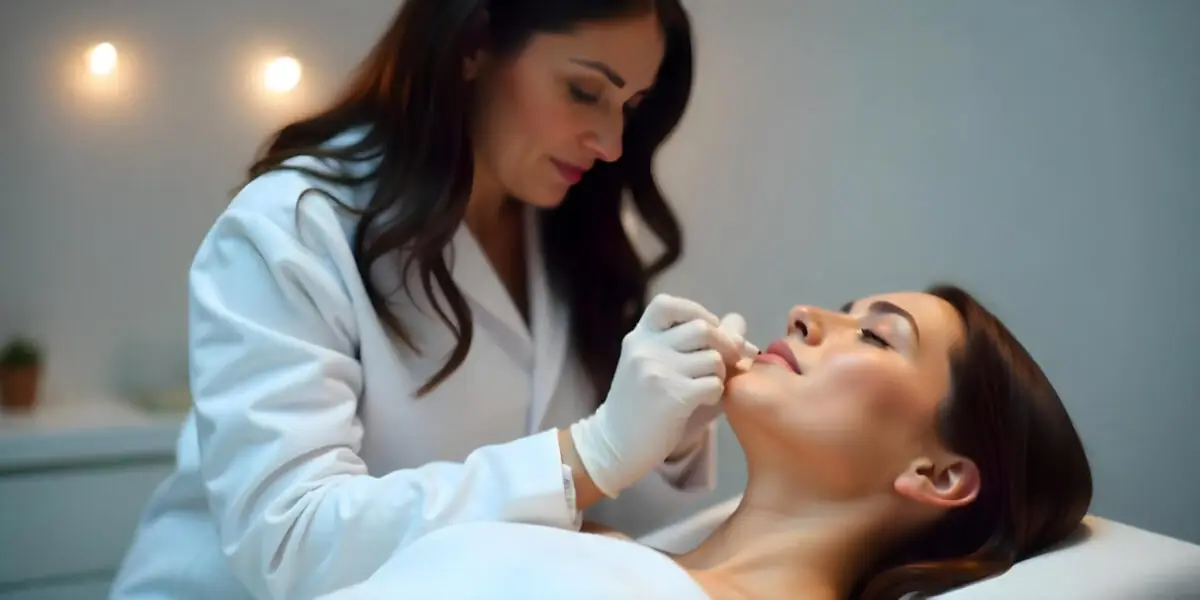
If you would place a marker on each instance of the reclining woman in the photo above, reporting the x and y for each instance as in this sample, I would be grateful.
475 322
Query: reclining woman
908 443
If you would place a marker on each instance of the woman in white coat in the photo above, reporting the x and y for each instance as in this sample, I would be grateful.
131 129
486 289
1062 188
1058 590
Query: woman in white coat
415 312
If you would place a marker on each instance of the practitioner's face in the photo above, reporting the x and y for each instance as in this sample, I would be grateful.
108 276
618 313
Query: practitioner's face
547 115
859 416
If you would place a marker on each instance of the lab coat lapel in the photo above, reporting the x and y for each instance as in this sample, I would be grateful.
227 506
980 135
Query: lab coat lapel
550 319
493 309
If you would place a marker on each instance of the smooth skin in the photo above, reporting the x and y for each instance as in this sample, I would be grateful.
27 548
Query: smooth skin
563 99
844 457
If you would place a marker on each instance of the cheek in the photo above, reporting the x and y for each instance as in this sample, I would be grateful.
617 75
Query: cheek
883 385
858 407
558 123
846 427
508 120
884 412
531 120
544 113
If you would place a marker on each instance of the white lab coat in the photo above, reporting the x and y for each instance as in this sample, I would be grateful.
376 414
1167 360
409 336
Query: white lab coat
306 461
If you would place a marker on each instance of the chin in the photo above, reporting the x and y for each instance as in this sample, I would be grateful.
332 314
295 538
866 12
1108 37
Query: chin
751 395
758 383
549 197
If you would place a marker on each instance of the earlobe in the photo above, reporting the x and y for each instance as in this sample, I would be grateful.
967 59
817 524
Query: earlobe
473 65
477 43
946 484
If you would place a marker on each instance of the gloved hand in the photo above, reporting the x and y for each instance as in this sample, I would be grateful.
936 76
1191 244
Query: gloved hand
734 326
672 362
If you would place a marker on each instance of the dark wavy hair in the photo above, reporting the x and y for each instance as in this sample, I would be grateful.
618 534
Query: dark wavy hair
410 97
1036 483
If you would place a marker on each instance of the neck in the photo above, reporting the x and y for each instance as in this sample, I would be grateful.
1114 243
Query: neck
489 208
783 543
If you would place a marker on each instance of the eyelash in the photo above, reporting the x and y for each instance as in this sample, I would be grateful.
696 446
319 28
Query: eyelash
873 338
581 96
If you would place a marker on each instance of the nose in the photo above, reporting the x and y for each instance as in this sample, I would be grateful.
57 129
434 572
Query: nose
805 322
605 141
816 325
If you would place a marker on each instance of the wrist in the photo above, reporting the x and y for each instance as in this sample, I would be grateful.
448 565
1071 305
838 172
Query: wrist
587 492
691 443
687 448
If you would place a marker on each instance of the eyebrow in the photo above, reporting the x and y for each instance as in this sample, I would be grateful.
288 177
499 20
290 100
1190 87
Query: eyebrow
603 69
885 307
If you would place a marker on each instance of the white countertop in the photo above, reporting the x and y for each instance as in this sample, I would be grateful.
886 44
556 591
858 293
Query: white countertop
85 431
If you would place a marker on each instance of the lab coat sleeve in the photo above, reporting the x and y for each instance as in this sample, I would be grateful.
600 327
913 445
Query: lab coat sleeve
665 495
275 384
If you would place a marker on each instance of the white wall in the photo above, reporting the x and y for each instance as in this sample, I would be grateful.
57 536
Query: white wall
1044 154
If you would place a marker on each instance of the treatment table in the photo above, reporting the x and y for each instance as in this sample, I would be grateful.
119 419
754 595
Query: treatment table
1105 560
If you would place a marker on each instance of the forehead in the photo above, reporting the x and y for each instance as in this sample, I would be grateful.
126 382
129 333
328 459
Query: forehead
632 46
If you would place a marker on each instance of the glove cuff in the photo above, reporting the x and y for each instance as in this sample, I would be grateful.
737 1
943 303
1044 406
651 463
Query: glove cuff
597 455
691 442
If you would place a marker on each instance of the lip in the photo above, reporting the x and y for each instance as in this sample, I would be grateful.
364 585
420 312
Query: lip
779 352
571 173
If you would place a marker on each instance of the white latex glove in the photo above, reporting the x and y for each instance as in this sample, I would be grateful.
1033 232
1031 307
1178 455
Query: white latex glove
734 326
672 362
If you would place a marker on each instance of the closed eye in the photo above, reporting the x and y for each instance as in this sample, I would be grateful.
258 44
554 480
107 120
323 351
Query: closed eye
873 338
578 95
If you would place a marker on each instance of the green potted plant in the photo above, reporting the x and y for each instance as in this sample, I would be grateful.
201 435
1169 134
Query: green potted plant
20 374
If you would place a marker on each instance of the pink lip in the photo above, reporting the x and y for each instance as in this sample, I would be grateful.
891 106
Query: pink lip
569 172
780 354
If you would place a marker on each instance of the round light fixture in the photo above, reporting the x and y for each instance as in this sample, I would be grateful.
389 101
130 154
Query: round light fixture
282 75
102 59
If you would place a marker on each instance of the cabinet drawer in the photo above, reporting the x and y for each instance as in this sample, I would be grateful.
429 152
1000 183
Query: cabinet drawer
60 523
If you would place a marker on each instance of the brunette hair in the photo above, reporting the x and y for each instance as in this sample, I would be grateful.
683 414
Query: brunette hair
410 97
1036 483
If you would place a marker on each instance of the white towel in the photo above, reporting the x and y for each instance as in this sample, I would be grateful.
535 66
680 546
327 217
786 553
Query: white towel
506 561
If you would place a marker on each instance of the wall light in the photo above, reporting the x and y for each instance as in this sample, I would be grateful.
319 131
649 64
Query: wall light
282 75
97 74
102 59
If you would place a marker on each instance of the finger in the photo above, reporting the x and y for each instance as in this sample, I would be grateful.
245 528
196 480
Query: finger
730 346
698 335
706 363
665 312
706 390
692 336
743 365
736 325
733 323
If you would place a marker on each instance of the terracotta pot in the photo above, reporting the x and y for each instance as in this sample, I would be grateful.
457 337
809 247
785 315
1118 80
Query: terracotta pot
19 387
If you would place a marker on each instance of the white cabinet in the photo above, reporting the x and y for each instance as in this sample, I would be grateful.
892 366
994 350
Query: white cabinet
81 590
73 482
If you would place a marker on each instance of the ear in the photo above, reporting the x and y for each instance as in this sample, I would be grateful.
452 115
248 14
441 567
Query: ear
950 482
477 42
473 65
